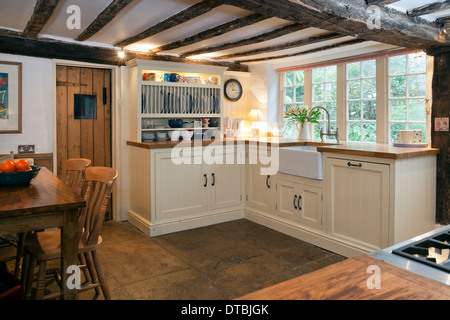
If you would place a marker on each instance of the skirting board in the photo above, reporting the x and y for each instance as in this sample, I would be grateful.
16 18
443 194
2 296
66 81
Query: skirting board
317 238
157 229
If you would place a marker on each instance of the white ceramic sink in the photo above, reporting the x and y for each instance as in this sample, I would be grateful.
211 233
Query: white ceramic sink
302 161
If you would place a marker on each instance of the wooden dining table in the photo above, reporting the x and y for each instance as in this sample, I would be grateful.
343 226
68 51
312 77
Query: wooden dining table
45 203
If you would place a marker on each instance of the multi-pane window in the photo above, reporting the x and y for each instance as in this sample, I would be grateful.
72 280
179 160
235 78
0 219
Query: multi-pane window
324 94
407 93
294 94
361 101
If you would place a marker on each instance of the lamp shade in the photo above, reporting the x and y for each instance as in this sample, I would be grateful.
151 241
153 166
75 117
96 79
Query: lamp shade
255 115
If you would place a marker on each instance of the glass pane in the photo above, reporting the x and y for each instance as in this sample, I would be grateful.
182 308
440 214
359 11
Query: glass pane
330 91
398 87
289 79
318 92
354 70
289 95
354 131
395 127
417 63
85 106
331 73
300 94
369 69
416 110
331 107
287 106
370 110
417 85
300 77
397 65
397 110
354 90
354 110
369 88
369 132
318 74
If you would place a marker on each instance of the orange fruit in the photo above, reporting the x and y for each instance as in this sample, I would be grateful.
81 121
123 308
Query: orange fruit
22 165
8 166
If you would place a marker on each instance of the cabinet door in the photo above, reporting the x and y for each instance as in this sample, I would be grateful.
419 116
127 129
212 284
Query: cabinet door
310 205
258 186
287 199
180 189
358 202
225 185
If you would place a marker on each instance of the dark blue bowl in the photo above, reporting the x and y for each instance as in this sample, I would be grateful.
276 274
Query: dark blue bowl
13 179
175 123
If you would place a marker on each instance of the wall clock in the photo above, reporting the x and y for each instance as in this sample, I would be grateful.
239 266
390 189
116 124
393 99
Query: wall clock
233 90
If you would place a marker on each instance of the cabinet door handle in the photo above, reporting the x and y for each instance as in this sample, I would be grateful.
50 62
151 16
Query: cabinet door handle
214 179
295 205
298 203
206 180
267 182
354 165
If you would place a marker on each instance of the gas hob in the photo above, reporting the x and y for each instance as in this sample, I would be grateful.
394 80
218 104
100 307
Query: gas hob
427 255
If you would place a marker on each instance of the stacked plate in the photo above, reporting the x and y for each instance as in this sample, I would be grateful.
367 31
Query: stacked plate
148 136
161 135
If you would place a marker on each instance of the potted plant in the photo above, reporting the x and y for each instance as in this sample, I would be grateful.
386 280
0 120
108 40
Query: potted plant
299 116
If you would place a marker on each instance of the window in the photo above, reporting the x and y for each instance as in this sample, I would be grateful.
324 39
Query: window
324 90
294 94
361 101
407 93
368 100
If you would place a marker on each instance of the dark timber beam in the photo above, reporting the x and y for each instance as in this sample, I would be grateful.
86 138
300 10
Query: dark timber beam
351 17
380 2
333 46
429 8
256 39
17 43
42 12
213 32
181 17
103 19
289 45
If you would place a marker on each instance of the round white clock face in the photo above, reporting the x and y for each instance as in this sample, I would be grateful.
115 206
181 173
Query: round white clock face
233 90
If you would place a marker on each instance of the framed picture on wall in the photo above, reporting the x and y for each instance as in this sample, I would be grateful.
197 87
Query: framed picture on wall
10 97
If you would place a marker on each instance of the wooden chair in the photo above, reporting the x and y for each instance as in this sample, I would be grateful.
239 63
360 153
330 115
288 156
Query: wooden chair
45 246
76 168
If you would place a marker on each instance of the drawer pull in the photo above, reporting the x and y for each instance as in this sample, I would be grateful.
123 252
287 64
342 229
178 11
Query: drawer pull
206 180
359 165
267 182
299 205
295 205
214 180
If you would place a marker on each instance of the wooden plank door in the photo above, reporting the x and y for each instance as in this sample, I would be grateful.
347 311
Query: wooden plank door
80 135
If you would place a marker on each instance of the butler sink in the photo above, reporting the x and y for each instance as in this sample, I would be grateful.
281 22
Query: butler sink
302 161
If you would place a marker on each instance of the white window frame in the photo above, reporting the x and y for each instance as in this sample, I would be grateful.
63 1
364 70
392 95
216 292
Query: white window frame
382 100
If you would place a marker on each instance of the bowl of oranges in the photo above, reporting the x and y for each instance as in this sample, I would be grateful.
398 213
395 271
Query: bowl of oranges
17 173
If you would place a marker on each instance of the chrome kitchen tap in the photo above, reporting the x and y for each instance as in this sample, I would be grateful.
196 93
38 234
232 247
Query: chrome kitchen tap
328 133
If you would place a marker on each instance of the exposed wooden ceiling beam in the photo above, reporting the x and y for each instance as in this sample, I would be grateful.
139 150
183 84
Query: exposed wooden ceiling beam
284 46
333 46
429 8
213 32
103 19
182 16
380 3
17 43
42 12
256 39
351 17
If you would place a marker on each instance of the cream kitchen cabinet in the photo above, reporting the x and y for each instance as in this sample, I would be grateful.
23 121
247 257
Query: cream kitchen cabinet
298 200
259 186
169 195
358 202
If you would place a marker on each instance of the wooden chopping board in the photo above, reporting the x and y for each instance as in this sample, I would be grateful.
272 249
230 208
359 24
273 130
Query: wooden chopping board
347 280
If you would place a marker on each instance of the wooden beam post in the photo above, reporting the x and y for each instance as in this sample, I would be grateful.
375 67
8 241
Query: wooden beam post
42 12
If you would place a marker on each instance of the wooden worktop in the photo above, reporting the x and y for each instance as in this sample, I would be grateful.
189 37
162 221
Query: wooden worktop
347 280
352 148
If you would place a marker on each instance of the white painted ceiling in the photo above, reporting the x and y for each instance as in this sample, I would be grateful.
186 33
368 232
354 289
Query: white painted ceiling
142 14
